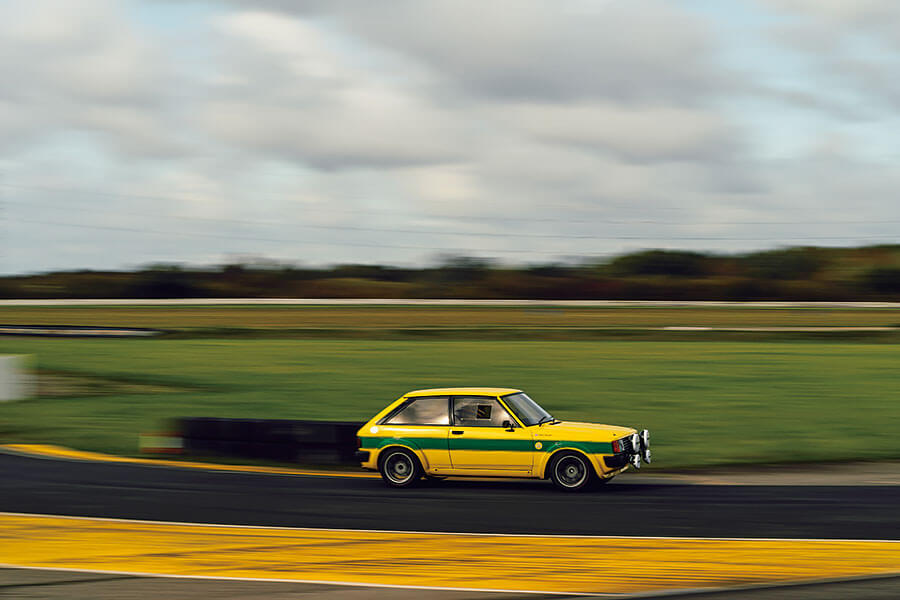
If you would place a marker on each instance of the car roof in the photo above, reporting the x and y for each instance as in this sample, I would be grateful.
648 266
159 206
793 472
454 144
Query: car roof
464 391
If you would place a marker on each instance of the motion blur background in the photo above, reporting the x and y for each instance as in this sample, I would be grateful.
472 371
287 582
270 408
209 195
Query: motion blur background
576 150
167 156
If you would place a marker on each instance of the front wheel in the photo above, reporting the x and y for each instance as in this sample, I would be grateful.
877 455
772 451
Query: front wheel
571 472
400 468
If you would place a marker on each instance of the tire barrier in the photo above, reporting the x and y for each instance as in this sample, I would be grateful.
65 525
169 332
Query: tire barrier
305 442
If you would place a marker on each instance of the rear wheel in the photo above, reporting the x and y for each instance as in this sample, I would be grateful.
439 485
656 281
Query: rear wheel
400 468
571 472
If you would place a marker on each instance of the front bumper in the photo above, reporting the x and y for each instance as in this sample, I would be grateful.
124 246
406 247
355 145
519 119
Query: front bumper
362 456
615 462
635 449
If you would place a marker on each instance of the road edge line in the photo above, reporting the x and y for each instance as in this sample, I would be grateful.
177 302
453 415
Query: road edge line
317 582
675 592
53 452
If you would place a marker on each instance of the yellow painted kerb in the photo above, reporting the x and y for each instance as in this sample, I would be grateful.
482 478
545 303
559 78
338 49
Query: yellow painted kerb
599 565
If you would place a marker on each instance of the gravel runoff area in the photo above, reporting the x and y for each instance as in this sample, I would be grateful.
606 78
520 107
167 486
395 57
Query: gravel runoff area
24 584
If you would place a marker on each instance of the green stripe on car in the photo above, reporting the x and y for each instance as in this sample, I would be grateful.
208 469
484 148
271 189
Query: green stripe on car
443 443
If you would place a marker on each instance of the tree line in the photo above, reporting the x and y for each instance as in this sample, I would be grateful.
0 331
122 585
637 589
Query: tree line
798 273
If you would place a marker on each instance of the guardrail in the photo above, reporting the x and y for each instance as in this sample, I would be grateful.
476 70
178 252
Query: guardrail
283 440
77 331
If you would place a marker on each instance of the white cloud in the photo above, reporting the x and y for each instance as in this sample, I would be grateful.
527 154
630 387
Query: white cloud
86 68
880 15
644 50
295 94
852 48
639 133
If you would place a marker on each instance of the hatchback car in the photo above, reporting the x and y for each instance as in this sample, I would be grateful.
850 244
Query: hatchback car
493 432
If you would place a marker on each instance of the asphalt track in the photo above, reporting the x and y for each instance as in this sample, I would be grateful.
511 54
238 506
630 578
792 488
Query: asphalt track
434 302
64 487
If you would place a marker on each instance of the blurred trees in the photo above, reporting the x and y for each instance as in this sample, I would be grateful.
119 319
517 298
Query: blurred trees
163 281
788 263
801 273
883 280
674 263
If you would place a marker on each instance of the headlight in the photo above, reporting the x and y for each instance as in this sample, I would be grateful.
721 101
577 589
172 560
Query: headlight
645 438
635 443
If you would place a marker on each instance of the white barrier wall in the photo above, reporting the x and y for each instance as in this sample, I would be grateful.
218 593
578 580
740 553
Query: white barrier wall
16 382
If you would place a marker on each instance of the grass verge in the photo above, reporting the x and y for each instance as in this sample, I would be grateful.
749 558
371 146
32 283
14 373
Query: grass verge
707 403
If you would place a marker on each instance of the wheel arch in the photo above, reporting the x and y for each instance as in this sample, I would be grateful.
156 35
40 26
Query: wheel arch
551 456
404 445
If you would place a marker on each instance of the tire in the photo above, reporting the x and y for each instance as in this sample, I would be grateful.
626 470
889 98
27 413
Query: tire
572 472
399 468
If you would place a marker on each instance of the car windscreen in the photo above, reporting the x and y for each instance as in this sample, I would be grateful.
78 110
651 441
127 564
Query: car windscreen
528 411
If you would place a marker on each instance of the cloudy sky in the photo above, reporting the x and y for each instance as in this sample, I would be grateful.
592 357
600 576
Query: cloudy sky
329 131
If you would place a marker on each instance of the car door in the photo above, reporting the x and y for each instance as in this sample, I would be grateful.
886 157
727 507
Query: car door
423 424
479 441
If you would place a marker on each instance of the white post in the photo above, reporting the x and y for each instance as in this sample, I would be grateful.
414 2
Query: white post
16 382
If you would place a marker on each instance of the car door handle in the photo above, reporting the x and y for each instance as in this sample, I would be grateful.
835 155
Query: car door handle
457 432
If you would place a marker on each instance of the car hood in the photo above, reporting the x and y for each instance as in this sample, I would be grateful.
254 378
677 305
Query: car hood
570 430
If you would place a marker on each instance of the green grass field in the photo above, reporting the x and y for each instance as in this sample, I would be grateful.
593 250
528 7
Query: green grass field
706 403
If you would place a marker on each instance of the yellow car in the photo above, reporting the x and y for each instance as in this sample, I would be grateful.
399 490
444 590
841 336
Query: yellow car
492 432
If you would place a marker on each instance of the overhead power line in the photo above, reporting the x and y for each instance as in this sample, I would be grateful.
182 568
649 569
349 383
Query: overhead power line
433 248
265 239
332 209
243 221
462 248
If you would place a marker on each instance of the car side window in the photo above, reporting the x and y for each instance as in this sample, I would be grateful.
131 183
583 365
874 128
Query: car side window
422 411
479 411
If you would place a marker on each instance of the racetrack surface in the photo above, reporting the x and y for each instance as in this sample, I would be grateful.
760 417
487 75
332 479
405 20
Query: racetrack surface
67 585
35 485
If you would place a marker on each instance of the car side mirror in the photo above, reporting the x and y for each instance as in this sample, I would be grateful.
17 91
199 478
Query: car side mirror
508 425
